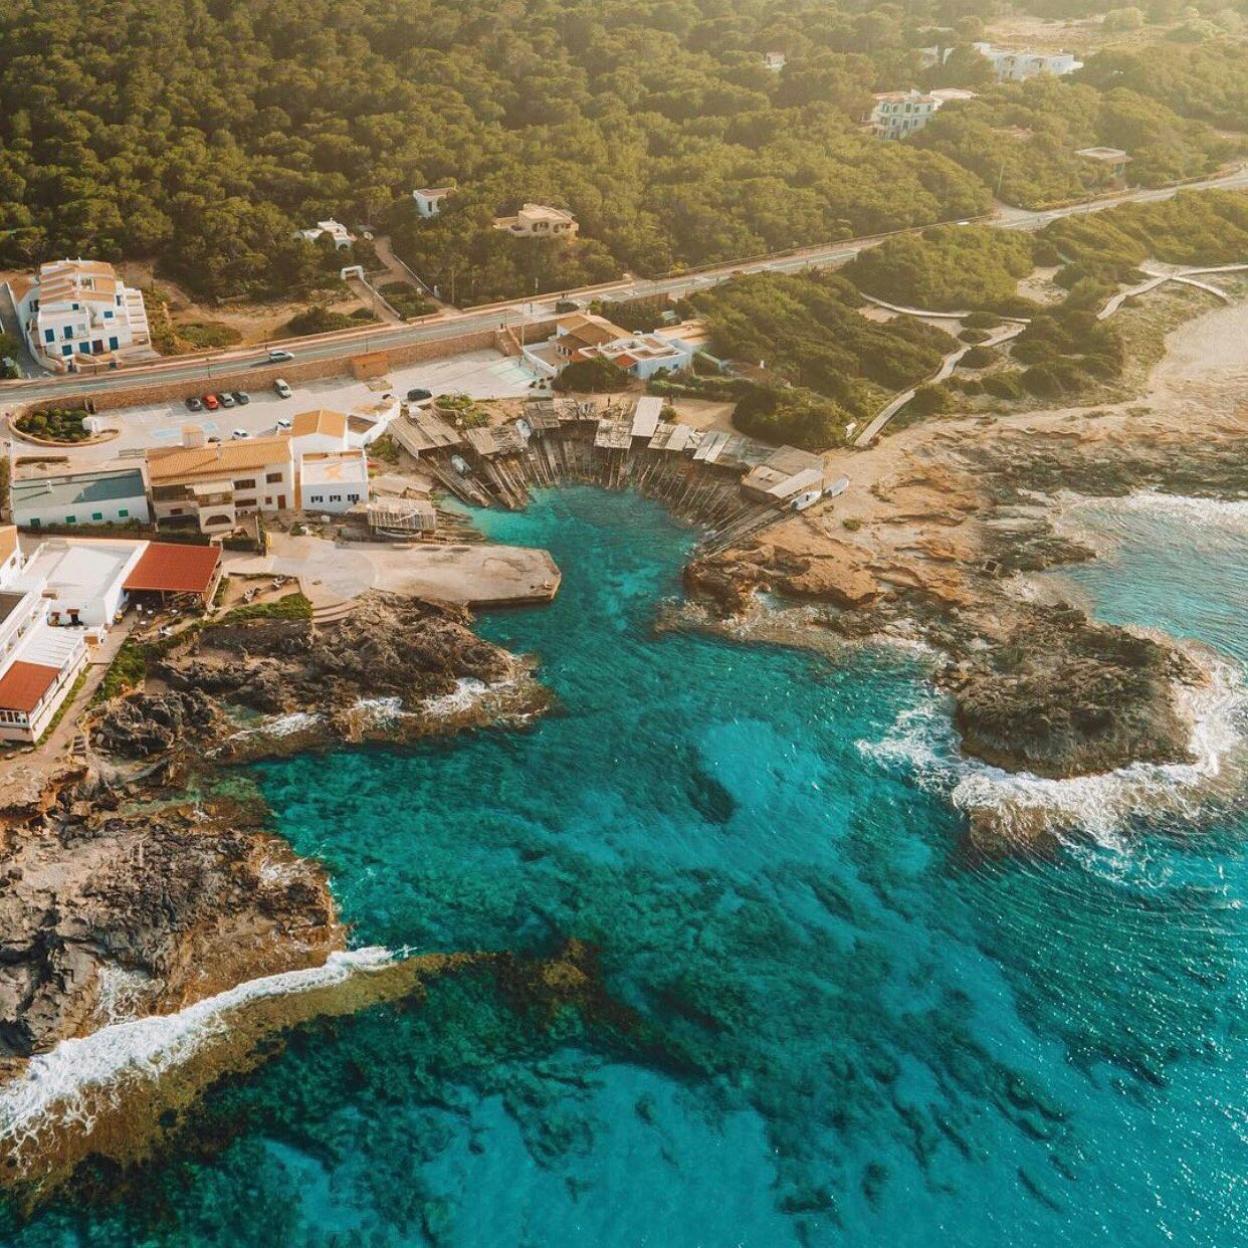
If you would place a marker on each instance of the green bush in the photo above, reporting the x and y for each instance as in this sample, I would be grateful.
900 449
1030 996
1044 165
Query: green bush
54 424
1007 385
791 415
808 330
974 336
291 607
406 300
592 376
318 319
980 357
929 400
946 269
207 335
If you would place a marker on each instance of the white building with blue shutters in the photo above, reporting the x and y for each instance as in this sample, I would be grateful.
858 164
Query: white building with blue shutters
79 314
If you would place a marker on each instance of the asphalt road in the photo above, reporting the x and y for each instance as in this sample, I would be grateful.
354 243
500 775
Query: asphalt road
521 312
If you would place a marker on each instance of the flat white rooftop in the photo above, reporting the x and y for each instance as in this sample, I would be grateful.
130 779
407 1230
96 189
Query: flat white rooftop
78 570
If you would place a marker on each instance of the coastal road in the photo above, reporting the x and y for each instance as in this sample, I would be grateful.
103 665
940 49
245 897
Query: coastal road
202 370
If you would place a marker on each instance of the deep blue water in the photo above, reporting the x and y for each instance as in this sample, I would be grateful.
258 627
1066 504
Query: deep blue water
859 1034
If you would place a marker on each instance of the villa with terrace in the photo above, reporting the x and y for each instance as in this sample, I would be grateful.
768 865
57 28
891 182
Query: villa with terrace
78 315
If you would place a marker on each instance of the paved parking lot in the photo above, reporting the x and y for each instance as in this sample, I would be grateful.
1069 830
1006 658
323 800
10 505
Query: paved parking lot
483 374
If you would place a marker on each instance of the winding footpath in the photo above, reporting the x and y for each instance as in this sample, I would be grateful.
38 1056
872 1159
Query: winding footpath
1183 276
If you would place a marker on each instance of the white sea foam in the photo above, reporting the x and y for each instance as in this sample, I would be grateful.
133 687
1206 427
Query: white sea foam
467 693
280 725
65 1085
379 711
924 742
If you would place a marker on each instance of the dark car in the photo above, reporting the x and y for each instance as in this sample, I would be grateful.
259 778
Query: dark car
195 404
242 398
419 396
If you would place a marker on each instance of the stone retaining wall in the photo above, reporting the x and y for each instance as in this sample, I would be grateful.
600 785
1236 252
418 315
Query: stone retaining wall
155 390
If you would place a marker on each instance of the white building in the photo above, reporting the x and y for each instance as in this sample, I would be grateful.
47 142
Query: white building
643 355
539 221
1012 66
332 481
319 430
335 231
429 199
896 114
98 496
775 61
215 483
78 313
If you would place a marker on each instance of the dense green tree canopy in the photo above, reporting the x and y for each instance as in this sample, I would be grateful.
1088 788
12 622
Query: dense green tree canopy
203 133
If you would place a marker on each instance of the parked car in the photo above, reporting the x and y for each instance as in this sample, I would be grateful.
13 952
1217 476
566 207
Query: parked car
418 395
194 404
214 438
279 357
210 402
239 434
282 389
226 399
284 425
242 398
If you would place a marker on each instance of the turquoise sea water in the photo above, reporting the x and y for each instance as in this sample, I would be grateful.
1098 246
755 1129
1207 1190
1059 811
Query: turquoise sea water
858 1033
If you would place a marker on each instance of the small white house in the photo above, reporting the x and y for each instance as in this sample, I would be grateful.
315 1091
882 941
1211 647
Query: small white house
319 430
332 481
429 199
335 231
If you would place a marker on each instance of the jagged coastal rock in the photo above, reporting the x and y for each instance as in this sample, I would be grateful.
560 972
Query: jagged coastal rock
121 895
934 549
146 911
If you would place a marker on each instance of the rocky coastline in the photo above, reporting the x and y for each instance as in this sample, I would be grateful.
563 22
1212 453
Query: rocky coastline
146 879
939 548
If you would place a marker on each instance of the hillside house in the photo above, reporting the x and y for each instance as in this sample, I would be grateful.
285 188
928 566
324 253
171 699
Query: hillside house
428 200
1012 66
79 313
539 221
1107 165
896 114
335 231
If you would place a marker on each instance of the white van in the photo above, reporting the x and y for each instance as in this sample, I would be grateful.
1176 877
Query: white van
283 390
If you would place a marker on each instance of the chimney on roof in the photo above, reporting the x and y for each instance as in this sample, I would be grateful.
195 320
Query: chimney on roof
192 437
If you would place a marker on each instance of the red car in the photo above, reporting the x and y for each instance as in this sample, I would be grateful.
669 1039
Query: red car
210 402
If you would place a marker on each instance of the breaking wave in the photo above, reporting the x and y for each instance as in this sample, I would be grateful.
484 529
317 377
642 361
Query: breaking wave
924 742
67 1085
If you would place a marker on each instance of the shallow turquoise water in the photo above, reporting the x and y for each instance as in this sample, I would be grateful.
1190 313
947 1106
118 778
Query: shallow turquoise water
858 1034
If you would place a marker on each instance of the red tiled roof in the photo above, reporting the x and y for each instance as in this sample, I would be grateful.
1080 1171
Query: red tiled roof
172 568
24 684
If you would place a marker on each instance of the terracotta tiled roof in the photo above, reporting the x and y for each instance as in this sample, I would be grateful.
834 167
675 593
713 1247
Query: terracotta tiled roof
174 568
216 459
22 687
320 421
